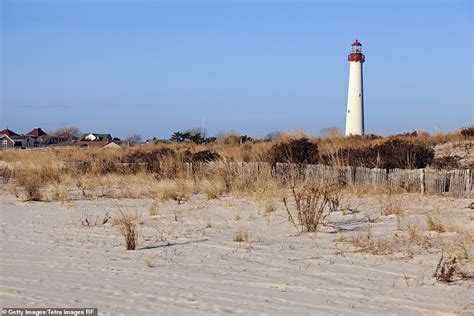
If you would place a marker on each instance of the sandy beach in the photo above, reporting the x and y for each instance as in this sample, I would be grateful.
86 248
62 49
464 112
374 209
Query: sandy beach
187 261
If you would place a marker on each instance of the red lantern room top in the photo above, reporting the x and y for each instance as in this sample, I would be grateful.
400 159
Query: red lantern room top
356 52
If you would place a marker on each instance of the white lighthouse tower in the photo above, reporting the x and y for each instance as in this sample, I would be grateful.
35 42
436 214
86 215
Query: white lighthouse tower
355 96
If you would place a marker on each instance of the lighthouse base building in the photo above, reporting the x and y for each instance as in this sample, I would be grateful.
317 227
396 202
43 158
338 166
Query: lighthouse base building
355 96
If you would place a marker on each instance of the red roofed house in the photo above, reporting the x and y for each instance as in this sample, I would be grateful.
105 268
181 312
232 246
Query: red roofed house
36 132
8 132
36 137
10 139
42 139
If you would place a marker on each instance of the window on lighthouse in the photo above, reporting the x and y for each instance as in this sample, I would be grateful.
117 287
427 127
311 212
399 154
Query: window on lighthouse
356 49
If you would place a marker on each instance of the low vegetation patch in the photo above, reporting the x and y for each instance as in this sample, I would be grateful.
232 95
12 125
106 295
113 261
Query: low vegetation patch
241 236
467 132
127 224
313 203
449 270
435 225
6 174
154 207
366 242
34 181
213 190
392 206
88 221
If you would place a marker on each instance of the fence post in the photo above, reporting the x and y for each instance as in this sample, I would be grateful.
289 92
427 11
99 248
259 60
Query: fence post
422 180
468 183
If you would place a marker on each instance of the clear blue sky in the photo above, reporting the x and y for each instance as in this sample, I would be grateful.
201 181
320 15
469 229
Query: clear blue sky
154 67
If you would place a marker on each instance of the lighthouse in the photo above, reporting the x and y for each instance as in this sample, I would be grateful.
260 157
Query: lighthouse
355 95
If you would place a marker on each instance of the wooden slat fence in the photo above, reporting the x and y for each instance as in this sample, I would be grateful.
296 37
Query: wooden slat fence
453 182
449 182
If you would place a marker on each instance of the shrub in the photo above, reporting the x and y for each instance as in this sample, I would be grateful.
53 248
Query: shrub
176 191
312 204
300 151
435 225
446 162
396 153
372 136
105 166
241 236
34 180
366 242
393 153
204 156
408 134
33 191
467 131
213 190
150 159
128 229
361 157
449 270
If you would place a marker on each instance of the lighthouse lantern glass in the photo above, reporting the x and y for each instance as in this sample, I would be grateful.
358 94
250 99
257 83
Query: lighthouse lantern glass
356 49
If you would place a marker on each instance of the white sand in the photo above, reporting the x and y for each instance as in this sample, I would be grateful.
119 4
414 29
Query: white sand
48 259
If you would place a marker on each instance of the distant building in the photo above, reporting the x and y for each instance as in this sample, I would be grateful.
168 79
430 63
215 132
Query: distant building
92 144
10 139
112 146
6 141
17 141
34 138
36 132
92 137
25 141
39 138
42 138
8 132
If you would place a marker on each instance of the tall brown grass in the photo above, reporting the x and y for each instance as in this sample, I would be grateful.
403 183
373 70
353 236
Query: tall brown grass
127 225
63 173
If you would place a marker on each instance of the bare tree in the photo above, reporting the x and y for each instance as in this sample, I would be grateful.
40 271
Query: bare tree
68 133
134 139
197 130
